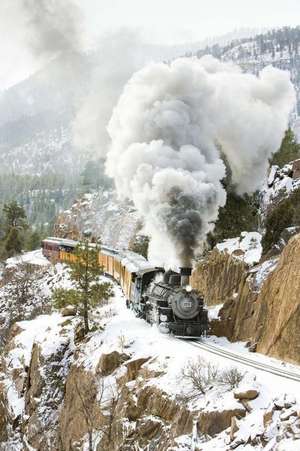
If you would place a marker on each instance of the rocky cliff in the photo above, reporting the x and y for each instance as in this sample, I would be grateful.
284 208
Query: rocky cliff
260 304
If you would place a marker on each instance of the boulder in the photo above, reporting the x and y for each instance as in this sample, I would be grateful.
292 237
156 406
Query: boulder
247 393
288 413
69 310
268 416
213 422
108 363
134 366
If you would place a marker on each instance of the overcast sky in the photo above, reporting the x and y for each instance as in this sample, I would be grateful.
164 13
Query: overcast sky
160 21
181 20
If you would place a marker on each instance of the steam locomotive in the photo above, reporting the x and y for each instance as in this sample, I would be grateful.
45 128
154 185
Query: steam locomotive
159 297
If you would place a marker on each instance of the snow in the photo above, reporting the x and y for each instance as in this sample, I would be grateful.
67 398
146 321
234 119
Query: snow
43 331
279 184
125 333
272 174
248 245
213 311
262 271
33 258
121 331
289 445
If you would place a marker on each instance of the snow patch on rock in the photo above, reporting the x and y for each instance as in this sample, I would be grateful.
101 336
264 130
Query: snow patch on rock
247 247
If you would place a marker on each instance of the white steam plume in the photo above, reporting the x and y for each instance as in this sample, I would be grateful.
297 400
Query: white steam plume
120 55
167 131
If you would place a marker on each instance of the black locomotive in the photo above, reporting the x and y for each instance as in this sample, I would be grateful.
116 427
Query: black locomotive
174 306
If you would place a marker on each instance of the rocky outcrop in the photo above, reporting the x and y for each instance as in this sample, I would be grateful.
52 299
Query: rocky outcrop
213 422
278 312
218 277
109 362
81 413
266 312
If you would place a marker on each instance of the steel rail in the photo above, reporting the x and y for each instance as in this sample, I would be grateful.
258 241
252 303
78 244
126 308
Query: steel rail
237 357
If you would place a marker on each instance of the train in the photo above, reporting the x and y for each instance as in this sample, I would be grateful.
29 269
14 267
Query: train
160 297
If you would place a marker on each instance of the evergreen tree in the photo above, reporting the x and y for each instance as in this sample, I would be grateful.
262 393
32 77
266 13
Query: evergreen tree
33 241
15 216
13 242
89 291
288 151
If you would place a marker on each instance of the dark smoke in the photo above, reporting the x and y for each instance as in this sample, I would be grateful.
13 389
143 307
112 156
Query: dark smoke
183 219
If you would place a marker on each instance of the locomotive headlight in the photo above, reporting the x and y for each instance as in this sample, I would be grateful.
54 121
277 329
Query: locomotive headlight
188 288
163 318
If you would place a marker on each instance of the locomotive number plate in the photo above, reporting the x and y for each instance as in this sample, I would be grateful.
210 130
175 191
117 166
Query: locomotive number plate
187 304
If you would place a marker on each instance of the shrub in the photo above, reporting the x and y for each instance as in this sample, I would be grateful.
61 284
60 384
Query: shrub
231 377
201 374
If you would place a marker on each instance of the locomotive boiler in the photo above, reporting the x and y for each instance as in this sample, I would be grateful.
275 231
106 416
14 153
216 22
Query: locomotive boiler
175 307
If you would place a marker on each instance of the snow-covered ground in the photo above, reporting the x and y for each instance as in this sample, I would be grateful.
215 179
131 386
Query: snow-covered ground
247 247
279 184
119 330
33 258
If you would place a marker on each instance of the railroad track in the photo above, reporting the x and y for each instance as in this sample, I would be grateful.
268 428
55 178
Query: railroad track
240 358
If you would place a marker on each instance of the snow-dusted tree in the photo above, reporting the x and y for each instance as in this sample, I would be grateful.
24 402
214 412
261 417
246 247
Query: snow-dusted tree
15 222
15 216
89 290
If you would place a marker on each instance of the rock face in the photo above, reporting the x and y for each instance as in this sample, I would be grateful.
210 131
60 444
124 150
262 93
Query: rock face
265 312
81 413
218 277
278 312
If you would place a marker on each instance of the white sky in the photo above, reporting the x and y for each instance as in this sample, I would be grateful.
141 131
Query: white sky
161 21
183 20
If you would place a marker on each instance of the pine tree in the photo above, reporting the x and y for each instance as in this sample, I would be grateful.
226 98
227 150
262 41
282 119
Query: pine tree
14 225
33 241
15 216
13 242
89 291
288 151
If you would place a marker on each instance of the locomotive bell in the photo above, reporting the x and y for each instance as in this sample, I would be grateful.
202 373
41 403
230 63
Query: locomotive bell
185 273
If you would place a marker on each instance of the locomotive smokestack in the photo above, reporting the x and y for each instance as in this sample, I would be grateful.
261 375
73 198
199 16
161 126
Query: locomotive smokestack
185 276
